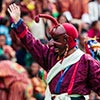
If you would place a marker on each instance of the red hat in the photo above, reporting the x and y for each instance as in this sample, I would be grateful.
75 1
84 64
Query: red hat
71 31
72 34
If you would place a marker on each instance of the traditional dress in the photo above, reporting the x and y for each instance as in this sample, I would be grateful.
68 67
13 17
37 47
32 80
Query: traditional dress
14 82
86 77
94 34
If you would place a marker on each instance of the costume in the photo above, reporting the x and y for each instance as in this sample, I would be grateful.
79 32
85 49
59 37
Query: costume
67 7
92 47
94 34
14 82
87 69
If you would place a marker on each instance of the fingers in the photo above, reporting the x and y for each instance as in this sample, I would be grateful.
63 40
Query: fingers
14 12
12 8
9 11
15 6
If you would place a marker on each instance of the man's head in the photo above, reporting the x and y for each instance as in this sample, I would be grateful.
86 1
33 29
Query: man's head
63 35
68 31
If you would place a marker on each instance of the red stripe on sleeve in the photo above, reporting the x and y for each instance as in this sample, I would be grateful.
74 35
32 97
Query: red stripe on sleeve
70 87
21 35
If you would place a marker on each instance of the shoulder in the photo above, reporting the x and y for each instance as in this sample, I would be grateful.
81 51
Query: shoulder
87 56
89 59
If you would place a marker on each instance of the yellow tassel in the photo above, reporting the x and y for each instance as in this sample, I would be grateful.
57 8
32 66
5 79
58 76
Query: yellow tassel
58 58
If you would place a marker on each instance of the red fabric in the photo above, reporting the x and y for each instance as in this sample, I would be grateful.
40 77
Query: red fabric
87 49
22 34
47 17
72 34
92 33
70 87
14 82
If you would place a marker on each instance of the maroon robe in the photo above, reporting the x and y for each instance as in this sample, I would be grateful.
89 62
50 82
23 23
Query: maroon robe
88 73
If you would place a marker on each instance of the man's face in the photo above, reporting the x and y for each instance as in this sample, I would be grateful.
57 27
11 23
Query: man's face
59 37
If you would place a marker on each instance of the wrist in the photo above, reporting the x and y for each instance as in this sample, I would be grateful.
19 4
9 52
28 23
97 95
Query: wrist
17 20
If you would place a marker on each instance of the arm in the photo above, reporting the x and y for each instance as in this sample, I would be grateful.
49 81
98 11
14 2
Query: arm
93 78
38 50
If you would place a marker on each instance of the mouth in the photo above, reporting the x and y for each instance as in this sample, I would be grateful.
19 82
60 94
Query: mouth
60 52
57 47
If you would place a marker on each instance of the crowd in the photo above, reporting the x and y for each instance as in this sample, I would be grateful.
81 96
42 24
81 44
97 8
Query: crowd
19 72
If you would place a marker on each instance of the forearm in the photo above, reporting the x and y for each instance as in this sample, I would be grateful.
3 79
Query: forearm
32 45
35 47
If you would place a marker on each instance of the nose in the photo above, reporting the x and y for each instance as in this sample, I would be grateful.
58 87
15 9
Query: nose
57 43
52 43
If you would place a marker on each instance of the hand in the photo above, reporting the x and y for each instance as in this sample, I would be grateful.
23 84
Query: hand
14 12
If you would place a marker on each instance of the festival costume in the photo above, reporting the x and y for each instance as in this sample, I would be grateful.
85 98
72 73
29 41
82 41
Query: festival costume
87 72
94 34
14 82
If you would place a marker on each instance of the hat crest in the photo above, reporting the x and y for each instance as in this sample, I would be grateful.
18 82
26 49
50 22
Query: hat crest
47 17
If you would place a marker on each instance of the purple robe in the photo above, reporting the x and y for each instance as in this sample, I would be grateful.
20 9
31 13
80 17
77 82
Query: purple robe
88 73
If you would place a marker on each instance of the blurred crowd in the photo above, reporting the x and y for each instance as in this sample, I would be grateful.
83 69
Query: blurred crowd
83 14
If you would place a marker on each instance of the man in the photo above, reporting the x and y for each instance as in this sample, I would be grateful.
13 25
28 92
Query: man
72 73
14 81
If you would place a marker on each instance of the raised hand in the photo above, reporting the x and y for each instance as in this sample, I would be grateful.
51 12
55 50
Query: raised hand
14 12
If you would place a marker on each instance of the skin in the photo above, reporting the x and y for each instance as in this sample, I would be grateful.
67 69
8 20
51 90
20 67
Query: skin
2 40
35 68
59 39
62 19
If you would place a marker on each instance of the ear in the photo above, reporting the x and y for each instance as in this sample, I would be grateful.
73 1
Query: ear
67 45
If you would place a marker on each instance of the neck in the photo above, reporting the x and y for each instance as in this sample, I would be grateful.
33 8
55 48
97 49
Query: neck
71 51
66 54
